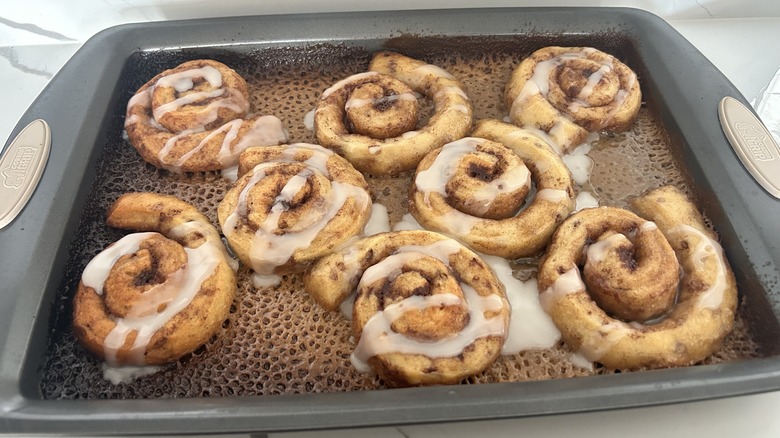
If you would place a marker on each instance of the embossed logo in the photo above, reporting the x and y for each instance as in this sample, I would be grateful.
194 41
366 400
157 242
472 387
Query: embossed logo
755 141
16 172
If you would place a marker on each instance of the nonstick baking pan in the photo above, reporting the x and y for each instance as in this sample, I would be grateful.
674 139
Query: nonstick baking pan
84 107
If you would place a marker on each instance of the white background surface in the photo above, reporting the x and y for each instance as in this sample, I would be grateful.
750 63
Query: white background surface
742 38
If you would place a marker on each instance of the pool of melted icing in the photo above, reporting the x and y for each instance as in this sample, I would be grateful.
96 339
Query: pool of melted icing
277 340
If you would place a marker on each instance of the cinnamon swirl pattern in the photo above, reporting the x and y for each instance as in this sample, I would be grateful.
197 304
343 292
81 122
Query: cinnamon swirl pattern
194 118
154 296
371 118
475 190
426 311
569 91
629 307
292 204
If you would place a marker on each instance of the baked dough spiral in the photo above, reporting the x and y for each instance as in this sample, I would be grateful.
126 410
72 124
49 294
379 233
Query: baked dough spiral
473 189
427 310
292 204
152 297
193 118
633 309
370 117
570 91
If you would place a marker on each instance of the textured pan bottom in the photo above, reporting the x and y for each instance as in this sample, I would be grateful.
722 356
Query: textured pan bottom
277 340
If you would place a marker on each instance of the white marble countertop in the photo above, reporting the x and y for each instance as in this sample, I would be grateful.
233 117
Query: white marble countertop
740 38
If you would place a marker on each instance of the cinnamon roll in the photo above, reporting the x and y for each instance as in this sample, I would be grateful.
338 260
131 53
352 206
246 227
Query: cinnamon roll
154 296
371 118
570 91
613 285
475 190
194 118
426 311
291 205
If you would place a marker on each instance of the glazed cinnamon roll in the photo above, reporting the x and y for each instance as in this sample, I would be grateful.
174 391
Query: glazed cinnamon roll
570 91
371 118
292 204
154 296
194 118
426 311
475 190
611 282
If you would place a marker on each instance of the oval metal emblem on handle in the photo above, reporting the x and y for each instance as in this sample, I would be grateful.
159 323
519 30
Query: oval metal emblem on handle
21 167
752 143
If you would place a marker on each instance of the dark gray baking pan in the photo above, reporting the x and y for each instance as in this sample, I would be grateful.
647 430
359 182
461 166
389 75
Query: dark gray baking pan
82 105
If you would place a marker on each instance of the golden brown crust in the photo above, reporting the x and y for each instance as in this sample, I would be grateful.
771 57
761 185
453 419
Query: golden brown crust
382 139
291 205
187 236
194 118
569 91
690 330
492 164
398 278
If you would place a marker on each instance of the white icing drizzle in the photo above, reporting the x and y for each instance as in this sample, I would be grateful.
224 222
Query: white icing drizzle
354 102
594 79
558 130
97 270
407 222
458 223
648 226
566 283
706 248
269 280
232 127
352 269
433 70
541 135
270 250
265 131
126 374
391 266
434 179
539 83
552 195
410 134
159 304
379 338
585 200
230 173
357 77
460 107
183 81
579 163
173 105
379 222
308 120
450 89
577 359
346 307
598 342
594 344
598 250
530 326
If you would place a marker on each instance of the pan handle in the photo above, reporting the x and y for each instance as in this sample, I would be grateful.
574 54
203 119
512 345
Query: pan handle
21 166
752 142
